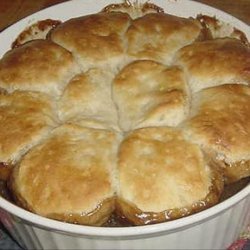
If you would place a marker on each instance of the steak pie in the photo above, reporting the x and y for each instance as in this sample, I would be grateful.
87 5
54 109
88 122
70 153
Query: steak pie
129 113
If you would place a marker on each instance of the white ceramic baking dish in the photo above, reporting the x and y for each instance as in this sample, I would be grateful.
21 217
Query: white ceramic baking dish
214 228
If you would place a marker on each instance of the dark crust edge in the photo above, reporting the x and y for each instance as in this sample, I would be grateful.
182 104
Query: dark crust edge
144 8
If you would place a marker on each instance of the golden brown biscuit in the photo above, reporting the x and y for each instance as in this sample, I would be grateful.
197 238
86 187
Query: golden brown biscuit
95 40
88 96
214 62
157 36
73 172
39 65
220 124
148 93
25 119
162 176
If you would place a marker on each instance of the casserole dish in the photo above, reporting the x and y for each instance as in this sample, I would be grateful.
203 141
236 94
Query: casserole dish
213 228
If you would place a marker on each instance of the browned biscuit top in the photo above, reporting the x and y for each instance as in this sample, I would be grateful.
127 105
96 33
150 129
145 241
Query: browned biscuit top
215 62
148 93
220 123
38 65
94 39
159 170
157 36
70 173
25 119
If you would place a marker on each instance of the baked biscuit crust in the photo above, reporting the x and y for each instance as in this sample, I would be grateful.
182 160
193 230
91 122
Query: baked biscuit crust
162 176
25 119
38 65
215 62
148 93
95 40
157 36
220 124
89 95
69 176
66 101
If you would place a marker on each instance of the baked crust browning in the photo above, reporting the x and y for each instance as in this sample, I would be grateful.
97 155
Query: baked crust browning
70 176
162 177
95 218
235 171
95 40
25 119
215 28
148 93
215 62
134 9
221 125
138 217
38 30
157 36
38 65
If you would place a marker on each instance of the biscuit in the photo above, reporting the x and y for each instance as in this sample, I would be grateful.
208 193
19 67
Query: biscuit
25 118
220 124
89 96
148 93
70 176
163 176
157 36
215 62
95 40
38 65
